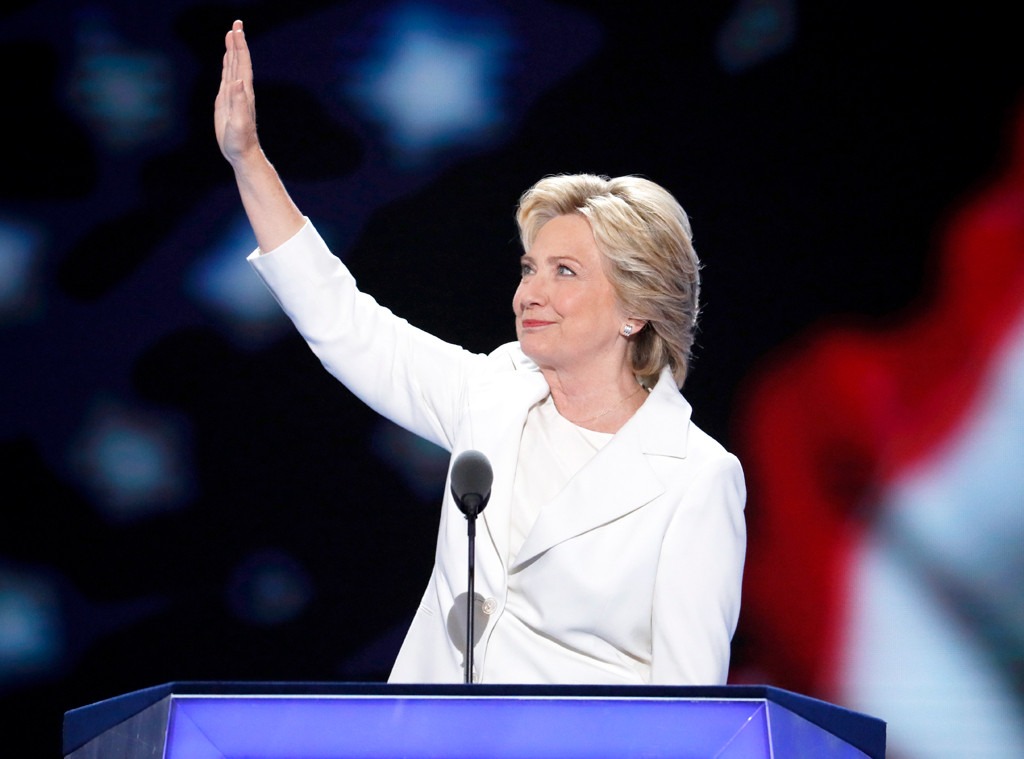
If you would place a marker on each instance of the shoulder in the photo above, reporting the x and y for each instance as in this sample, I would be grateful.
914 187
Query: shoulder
676 446
705 449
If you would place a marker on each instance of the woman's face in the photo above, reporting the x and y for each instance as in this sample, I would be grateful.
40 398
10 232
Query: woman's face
567 314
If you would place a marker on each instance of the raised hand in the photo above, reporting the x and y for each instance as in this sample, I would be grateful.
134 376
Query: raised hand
235 108
272 214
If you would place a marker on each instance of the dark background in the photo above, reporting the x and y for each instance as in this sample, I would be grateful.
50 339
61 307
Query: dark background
819 156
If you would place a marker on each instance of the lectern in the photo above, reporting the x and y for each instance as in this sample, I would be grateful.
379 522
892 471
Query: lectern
211 720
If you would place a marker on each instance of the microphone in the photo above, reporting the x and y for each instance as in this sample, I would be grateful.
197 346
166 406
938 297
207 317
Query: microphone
471 482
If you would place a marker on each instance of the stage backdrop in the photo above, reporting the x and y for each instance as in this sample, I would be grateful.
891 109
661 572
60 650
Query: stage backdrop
189 496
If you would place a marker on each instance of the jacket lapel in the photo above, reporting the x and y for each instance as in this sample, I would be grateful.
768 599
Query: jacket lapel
620 478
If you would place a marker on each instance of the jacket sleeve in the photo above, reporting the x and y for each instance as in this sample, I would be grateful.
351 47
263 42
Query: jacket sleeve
700 572
409 376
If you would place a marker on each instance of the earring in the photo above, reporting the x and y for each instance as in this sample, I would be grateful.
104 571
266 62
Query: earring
627 330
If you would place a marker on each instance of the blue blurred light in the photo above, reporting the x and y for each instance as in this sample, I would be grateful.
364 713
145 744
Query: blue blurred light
123 94
31 639
133 462
223 283
421 465
269 588
20 291
755 31
434 80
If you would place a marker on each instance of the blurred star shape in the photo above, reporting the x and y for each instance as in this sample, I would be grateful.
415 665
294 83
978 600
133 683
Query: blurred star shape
434 80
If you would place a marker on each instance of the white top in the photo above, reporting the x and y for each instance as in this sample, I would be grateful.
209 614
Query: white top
551 451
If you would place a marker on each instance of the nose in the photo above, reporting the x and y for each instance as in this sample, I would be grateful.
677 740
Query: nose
531 292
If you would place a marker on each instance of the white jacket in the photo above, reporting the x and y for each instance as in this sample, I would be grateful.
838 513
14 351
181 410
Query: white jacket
632 574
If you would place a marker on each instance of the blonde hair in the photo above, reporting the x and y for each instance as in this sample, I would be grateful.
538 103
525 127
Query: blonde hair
645 238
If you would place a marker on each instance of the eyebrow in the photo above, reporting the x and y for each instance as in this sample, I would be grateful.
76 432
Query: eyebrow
551 259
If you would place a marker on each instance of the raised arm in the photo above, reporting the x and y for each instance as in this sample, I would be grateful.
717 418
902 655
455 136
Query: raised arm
273 215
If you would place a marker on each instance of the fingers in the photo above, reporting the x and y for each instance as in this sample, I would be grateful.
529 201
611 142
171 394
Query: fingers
243 61
237 64
229 56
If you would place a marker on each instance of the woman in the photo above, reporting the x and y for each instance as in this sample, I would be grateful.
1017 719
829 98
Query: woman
612 547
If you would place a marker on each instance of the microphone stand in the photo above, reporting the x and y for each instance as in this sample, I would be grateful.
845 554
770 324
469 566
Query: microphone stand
471 478
471 511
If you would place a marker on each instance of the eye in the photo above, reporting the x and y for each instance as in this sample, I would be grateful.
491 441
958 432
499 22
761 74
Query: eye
525 269
565 271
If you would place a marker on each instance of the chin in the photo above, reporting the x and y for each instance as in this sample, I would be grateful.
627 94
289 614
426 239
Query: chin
537 356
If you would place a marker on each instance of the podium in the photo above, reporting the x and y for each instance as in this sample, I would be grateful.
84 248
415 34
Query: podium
217 720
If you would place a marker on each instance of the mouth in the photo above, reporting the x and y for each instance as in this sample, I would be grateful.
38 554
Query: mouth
534 323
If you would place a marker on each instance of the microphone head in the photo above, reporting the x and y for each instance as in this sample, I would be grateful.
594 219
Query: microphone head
471 482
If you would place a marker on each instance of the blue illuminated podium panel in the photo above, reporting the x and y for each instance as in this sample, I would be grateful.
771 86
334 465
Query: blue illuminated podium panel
360 721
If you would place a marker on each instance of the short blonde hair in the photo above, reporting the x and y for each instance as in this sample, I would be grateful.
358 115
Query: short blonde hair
645 237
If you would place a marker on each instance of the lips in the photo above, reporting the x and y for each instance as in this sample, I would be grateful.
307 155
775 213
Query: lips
534 323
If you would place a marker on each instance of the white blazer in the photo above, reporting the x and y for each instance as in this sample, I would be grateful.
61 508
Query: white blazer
631 575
